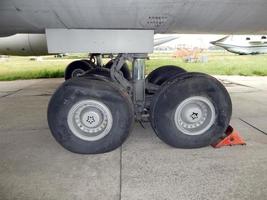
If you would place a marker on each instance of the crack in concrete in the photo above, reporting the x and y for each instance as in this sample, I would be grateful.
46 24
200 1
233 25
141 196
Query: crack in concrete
245 92
227 82
2 97
33 129
9 94
251 125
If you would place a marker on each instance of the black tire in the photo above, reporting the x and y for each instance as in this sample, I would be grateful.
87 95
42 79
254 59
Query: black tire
81 65
173 93
79 89
98 72
125 69
164 73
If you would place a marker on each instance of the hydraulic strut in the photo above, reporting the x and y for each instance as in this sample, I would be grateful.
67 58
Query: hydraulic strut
136 87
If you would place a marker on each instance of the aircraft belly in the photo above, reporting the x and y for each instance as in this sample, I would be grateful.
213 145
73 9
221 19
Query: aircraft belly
164 16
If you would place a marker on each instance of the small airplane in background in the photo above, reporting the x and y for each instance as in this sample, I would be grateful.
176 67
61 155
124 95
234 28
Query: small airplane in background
243 45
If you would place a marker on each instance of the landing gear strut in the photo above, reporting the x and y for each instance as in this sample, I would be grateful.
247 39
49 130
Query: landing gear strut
135 87
94 113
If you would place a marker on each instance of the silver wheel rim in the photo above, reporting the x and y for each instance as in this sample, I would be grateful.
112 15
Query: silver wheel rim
77 72
195 115
90 120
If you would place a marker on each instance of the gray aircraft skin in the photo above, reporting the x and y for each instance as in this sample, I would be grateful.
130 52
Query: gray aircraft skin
244 45
163 16
36 45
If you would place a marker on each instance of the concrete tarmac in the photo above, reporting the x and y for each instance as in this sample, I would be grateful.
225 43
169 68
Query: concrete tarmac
34 166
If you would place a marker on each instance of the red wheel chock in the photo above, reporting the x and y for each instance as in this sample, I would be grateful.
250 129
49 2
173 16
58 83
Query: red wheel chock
231 137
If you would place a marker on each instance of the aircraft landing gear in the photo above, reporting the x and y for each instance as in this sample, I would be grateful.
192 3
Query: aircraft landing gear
164 73
78 68
92 65
90 115
95 113
192 110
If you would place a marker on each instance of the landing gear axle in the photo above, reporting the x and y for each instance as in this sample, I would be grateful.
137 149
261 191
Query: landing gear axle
94 113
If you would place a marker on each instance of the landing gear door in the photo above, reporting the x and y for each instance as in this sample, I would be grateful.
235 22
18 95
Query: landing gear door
99 41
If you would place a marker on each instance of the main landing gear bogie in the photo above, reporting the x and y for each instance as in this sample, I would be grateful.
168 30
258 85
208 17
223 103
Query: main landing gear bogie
93 65
94 113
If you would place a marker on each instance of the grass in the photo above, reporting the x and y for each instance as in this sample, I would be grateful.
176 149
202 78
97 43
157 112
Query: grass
219 63
23 68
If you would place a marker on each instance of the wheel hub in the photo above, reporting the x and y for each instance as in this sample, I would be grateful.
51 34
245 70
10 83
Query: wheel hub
192 113
90 120
77 72
195 115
